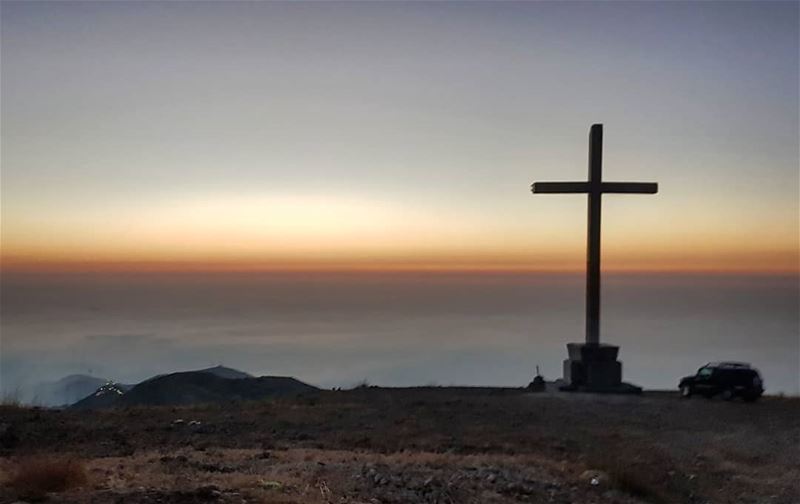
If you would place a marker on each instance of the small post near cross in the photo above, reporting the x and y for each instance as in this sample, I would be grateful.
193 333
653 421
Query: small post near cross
579 370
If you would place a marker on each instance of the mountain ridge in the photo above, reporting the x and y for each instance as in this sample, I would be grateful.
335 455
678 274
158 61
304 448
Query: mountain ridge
211 385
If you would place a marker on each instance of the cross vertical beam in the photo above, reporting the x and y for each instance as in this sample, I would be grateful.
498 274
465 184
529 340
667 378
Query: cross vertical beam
593 234
594 189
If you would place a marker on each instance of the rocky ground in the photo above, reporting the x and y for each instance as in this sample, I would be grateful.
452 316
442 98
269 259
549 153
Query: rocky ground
437 445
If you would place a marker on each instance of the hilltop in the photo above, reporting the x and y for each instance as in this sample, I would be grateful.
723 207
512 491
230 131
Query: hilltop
226 372
422 445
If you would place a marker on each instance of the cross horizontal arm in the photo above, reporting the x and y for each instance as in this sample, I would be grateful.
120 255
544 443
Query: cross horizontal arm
560 187
629 187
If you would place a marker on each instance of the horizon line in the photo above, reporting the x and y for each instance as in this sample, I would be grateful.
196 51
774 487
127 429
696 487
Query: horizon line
180 267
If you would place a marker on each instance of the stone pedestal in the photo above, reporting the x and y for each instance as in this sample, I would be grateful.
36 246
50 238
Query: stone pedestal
594 368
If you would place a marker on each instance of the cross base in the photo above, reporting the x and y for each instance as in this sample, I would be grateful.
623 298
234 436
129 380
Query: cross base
593 367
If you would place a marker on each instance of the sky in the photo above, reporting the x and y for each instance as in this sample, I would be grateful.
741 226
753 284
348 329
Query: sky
394 136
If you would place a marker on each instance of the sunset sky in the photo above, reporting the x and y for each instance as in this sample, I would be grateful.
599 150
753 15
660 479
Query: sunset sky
381 136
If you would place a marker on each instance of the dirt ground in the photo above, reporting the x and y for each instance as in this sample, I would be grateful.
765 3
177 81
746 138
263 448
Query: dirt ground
437 445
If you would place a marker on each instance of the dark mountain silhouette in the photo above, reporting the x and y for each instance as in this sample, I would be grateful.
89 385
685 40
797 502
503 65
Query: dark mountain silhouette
194 387
221 371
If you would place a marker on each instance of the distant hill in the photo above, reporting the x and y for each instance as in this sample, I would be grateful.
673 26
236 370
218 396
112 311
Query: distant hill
221 371
67 390
195 387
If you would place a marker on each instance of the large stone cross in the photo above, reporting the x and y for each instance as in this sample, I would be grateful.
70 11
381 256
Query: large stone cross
594 188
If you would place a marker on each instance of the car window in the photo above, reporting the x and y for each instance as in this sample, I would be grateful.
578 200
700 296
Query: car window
705 372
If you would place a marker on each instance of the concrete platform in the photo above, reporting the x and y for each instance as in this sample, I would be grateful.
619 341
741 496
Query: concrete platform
621 388
595 368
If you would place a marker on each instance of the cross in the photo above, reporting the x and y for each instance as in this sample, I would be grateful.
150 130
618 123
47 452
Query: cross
594 187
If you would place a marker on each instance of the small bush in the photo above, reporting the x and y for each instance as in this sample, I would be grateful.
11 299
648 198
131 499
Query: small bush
636 483
635 479
11 398
34 477
363 384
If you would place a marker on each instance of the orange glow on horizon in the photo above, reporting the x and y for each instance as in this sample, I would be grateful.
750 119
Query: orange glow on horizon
779 262
349 234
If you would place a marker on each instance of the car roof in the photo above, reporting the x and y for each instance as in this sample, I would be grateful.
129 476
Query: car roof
728 365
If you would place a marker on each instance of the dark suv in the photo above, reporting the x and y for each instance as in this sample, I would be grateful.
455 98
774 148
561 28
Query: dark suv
726 379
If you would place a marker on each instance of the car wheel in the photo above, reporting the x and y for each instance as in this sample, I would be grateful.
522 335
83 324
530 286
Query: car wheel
727 394
686 391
